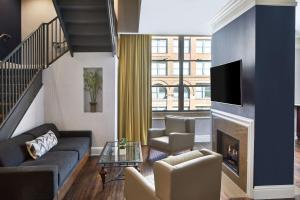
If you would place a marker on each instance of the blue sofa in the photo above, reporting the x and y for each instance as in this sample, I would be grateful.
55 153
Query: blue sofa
48 177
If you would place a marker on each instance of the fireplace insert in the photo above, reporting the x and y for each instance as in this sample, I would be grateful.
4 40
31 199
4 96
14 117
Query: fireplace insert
229 147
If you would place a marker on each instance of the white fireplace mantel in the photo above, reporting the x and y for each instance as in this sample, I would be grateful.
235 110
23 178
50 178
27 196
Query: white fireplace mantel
249 124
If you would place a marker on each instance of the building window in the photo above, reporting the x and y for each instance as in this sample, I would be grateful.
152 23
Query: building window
187 45
203 46
202 92
159 46
159 68
203 68
186 68
186 93
175 45
159 92
180 77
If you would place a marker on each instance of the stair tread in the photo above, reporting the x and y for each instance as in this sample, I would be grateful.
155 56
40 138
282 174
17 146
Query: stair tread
82 7
85 21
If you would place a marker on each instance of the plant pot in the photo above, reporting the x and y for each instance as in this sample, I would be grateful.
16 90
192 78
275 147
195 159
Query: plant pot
93 106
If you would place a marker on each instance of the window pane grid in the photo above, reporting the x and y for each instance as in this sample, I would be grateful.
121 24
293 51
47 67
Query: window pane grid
167 79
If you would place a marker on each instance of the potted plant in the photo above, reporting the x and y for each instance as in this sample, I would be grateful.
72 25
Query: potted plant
93 84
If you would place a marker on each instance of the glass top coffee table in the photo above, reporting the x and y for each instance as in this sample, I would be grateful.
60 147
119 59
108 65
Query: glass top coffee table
114 156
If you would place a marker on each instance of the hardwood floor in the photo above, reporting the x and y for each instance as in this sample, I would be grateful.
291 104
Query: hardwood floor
88 185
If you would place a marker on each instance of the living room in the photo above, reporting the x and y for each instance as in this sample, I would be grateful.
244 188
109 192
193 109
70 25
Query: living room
108 99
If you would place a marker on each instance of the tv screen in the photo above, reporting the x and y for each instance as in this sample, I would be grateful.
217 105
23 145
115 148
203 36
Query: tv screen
226 83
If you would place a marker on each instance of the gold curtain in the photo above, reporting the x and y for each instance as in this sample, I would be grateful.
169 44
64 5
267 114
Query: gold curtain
134 87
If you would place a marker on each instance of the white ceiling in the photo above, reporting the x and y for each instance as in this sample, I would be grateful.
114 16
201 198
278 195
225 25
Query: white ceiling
178 16
184 16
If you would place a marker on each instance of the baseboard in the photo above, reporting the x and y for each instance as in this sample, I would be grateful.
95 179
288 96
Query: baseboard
202 138
95 151
274 192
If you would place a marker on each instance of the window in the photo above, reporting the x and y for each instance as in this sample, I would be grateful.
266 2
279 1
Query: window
186 68
175 45
186 92
159 68
159 46
202 92
180 77
203 46
159 92
186 46
203 68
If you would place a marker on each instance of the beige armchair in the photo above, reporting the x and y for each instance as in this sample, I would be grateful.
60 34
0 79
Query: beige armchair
178 135
194 175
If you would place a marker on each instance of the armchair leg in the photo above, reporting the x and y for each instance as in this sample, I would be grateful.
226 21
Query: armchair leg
149 152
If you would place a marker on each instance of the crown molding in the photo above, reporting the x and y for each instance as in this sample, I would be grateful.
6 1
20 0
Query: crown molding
235 8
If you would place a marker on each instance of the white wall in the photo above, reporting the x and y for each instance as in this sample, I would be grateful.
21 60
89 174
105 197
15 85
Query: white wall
63 82
34 116
34 13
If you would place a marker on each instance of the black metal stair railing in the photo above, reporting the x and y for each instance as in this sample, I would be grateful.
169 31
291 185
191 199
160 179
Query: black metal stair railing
112 24
19 69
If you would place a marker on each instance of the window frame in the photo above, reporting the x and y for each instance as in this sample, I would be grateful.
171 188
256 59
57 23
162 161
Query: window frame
157 47
181 85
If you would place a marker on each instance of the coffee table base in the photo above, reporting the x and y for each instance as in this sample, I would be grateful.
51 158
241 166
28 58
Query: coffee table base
119 176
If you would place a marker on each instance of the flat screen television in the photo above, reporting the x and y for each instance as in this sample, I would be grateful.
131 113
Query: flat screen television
226 84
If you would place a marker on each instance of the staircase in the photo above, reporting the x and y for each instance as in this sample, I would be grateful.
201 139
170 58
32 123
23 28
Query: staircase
21 72
81 26
88 24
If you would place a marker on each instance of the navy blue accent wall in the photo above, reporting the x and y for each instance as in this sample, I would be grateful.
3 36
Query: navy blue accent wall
274 91
264 38
234 42
10 22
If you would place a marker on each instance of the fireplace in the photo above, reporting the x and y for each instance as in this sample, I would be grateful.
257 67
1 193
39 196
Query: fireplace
232 138
229 147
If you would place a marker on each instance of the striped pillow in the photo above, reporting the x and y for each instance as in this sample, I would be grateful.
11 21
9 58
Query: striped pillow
41 145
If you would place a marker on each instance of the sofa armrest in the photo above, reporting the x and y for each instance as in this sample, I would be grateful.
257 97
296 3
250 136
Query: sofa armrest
136 186
29 182
180 141
155 132
85 133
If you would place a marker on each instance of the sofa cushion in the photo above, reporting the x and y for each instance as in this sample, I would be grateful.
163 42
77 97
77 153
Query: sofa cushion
43 129
64 160
175 124
78 144
13 151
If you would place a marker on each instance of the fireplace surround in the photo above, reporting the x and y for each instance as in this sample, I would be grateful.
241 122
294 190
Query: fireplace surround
229 146
233 137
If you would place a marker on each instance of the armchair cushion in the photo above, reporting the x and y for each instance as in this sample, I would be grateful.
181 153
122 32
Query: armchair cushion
161 143
175 160
155 132
175 124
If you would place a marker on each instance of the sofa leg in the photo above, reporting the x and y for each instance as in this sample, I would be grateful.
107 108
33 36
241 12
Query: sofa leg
192 149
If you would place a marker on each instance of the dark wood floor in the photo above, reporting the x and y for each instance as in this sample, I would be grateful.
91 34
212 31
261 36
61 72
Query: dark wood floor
88 184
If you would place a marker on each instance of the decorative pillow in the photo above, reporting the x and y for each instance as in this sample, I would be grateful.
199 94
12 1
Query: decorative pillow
41 145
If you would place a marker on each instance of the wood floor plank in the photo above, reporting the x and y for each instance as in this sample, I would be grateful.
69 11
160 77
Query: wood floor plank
88 185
